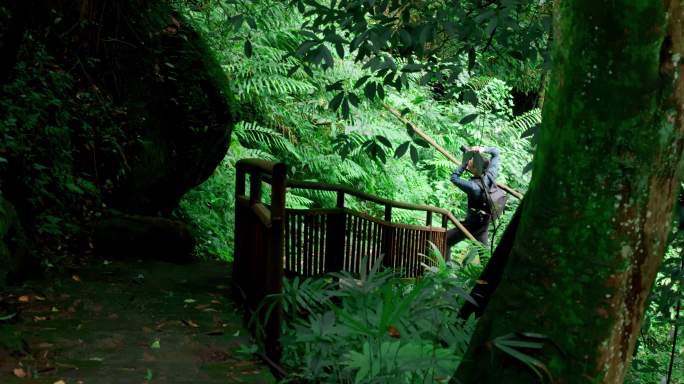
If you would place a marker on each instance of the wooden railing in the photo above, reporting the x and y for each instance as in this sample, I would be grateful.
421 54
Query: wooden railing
258 261
272 241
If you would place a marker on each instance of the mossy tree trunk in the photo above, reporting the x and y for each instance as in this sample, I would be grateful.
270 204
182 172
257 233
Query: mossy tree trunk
597 215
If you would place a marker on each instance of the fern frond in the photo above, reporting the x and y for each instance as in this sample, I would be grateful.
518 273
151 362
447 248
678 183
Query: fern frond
478 83
526 121
349 171
253 134
298 202
441 164
321 198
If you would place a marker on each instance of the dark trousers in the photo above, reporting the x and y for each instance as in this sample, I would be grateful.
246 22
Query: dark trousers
479 230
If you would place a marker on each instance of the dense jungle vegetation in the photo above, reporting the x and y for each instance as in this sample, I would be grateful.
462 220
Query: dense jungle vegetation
125 141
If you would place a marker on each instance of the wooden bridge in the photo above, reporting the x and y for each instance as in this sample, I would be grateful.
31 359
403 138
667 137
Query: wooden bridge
272 241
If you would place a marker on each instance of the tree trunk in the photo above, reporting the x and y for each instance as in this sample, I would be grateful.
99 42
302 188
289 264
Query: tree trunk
596 218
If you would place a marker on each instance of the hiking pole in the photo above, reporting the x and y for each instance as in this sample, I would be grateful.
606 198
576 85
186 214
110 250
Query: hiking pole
440 149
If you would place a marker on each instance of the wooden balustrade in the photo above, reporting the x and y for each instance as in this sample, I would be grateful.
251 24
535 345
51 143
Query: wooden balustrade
272 241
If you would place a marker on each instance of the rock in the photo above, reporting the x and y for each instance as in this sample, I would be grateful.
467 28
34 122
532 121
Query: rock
170 94
144 237
16 262
177 102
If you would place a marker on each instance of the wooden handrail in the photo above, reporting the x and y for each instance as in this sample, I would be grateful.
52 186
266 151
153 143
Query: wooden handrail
440 149
258 165
363 195
378 200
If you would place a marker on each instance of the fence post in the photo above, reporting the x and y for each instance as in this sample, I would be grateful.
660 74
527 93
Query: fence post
273 268
445 222
388 239
254 188
238 257
335 237
429 238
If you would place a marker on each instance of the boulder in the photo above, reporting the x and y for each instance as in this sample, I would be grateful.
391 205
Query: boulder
177 104
144 237
170 95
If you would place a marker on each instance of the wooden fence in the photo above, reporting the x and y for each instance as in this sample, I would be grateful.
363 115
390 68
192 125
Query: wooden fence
272 241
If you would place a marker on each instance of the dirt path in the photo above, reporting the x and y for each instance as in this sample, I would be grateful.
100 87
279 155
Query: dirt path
127 322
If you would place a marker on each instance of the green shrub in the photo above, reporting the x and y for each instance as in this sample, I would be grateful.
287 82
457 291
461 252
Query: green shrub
374 328
56 135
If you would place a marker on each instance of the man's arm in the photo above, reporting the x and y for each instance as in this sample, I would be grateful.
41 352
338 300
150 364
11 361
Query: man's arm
467 186
493 169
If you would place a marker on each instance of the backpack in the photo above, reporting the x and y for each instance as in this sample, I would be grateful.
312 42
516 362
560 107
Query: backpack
496 199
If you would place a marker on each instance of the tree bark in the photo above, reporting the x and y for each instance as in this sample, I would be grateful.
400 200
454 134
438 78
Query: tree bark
596 219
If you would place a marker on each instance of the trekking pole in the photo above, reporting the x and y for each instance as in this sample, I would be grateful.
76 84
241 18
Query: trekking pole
440 149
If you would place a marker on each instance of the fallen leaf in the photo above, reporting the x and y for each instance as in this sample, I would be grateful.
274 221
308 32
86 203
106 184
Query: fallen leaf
215 302
39 298
190 323
76 278
189 301
393 331
54 309
148 357
39 318
481 282
59 382
155 345
19 372
24 298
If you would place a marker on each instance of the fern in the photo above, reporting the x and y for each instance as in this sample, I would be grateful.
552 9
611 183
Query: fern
296 201
251 134
478 83
526 121
349 171
441 165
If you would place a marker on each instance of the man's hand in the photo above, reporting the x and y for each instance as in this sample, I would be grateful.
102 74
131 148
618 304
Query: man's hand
477 149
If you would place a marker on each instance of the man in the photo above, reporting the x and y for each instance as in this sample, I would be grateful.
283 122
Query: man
484 171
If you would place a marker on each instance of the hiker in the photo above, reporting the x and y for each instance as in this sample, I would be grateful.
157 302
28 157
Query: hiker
484 173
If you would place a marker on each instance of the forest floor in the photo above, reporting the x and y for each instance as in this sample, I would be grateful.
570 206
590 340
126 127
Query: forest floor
127 322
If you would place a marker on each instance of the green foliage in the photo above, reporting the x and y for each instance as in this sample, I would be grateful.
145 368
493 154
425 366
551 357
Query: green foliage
653 349
54 136
374 328
294 125
440 41
210 211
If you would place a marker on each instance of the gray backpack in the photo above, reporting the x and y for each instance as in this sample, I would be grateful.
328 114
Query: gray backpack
496 199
